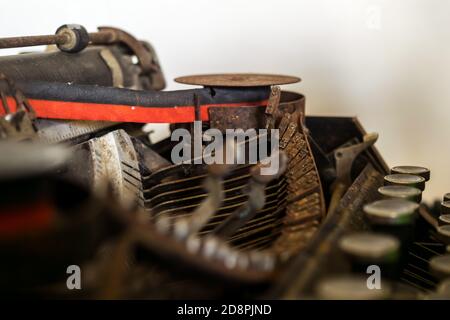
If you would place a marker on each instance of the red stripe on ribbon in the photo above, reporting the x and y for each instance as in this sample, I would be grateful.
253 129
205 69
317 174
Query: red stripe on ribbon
121 113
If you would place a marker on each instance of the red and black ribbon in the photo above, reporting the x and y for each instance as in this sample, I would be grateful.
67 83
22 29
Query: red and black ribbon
87 102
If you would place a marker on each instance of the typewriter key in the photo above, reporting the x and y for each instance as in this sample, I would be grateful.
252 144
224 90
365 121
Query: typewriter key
444 287
444 219
444 233
401 192
445 207
440 266
350 287
370 247
446 197
395 217
405 180
418 171
391 212
364 249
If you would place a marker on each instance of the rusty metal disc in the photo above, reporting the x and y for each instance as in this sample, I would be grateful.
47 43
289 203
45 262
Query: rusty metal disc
237 80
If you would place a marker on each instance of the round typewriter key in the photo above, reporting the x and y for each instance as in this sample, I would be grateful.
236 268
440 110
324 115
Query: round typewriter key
440 266
370 247
401 192
350 287
445 207
444 287
364 249
391 212
444 219
395 217
448 248
409 180
446 197
444 233
414 170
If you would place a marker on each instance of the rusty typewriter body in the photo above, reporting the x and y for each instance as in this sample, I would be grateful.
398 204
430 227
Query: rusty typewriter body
83 185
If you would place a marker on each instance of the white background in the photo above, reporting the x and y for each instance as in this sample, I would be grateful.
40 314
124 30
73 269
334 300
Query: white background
385 61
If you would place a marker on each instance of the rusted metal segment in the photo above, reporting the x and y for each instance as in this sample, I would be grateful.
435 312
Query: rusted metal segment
31 41
69 37
147 61
344 158
244 118
249 117
306 204
18 125
307 267
272 107
237 80
274 100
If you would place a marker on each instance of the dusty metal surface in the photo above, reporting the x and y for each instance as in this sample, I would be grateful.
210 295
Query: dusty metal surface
237 80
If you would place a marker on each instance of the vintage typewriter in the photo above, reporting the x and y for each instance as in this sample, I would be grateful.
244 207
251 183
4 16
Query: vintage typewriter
85 187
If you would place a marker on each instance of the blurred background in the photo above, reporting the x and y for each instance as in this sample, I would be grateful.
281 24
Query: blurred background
386 62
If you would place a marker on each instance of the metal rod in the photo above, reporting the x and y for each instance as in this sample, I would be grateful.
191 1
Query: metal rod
103 37
17 42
